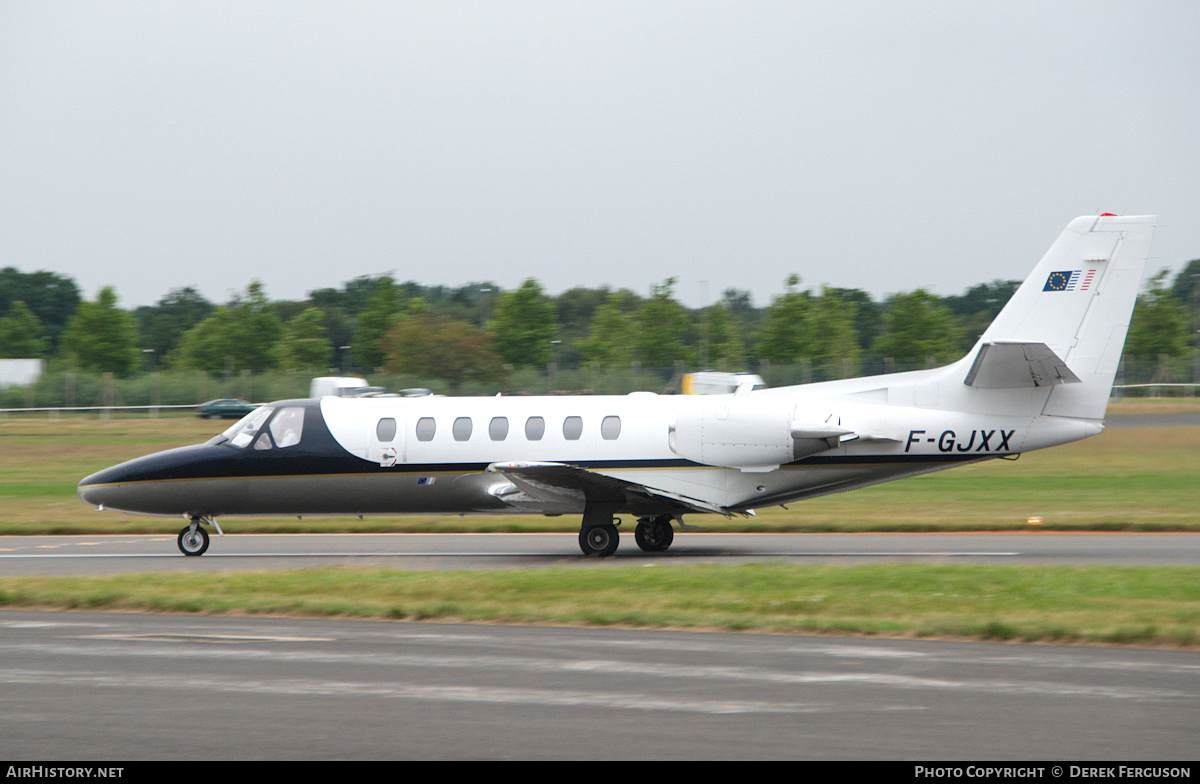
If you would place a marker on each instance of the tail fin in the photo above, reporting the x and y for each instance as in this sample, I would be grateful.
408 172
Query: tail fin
1066 324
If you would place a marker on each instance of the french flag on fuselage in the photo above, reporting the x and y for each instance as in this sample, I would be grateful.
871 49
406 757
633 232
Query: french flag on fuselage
1070 280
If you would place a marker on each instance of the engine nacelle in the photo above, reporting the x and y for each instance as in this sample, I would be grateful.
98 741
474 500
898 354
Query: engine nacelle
750 434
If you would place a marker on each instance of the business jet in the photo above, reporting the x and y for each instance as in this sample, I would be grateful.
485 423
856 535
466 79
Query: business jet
1039 376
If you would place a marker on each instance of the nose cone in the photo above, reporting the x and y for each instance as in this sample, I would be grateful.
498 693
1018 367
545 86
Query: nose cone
147 485
107 489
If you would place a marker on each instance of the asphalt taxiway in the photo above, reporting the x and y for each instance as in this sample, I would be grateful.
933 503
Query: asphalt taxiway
116 686
112 686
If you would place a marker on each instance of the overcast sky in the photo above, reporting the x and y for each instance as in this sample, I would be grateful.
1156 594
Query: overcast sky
885 146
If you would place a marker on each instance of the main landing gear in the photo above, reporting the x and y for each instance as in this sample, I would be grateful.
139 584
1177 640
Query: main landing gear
599 537
193 540
654 534
600 540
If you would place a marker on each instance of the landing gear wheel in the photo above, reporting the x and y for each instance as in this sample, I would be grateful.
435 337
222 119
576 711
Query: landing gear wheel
599 540
193 541
654 534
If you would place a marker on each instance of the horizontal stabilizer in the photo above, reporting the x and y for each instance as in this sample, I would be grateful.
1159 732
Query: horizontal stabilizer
1016 365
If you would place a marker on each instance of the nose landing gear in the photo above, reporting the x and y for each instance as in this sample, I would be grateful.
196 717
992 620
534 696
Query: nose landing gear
193 540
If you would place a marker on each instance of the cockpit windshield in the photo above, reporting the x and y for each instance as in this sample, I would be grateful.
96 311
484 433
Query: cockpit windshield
285 428
242 433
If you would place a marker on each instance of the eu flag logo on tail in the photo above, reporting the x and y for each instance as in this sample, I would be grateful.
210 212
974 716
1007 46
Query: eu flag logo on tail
1070 280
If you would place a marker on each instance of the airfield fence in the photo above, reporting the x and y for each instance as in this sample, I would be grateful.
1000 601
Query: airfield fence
168 393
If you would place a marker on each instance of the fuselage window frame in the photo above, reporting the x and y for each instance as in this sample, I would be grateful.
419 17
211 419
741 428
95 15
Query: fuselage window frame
426 428
535 428
385 430
573 428
610 428
461 429
498 428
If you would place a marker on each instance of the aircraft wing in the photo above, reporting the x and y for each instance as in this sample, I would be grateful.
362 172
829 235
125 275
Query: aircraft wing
1013 365
551 487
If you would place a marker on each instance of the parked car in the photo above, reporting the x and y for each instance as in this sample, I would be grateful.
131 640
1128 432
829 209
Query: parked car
225 408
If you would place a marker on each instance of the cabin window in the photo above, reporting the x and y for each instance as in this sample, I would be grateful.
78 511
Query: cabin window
426 428
498 428
287 426
535 428
461 429
386 429
610 428
572 428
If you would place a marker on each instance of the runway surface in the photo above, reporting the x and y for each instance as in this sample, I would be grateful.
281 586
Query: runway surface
117 554
132 687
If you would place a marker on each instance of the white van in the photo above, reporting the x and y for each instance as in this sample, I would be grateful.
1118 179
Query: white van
337 386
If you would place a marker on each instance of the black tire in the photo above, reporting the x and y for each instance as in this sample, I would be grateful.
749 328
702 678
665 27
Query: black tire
654 534
599 540
193 544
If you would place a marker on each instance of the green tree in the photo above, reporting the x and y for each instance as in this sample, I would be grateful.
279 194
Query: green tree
211 346
977 308
918 329
868 318
51 297
161 326
1160 323
385 302
305 344
720 339
820 330
260 328
611 342
833 341
243 335
342 308
427 345
662 328
20 334
740 306
1187 291
101 338
784 334
1187 285
575 309
524 324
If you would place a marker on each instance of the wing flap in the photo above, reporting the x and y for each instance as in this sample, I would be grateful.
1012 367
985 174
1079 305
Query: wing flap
566 488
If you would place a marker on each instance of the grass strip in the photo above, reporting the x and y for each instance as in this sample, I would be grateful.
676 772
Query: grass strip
1106 605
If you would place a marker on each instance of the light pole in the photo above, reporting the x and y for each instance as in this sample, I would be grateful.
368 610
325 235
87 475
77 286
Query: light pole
483 311
557 356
